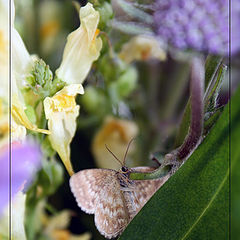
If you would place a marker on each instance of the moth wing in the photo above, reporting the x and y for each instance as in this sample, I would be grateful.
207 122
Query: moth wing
86 186
142 191
111 215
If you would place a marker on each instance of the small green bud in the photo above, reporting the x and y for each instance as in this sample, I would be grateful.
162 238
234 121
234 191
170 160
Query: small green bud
108 68
127 82
41 80
93 99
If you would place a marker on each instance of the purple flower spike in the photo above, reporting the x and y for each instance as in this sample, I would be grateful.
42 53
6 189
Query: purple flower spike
26 159
201 25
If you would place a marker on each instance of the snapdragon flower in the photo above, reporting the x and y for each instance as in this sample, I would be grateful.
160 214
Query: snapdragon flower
82 48
116 134
22 64
142 48
61 111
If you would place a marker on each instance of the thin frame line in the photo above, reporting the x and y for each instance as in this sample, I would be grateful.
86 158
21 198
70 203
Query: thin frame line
229 96
10 118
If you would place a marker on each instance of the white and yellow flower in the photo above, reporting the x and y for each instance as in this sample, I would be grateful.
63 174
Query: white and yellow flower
61 111
116 134
22 64
142 48
82 48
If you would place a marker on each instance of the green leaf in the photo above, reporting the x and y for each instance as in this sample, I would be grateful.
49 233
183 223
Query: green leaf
235 171
211 67
30 114
213 90
194 202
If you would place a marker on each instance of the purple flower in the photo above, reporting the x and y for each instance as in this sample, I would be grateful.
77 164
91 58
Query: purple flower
202 25
25 162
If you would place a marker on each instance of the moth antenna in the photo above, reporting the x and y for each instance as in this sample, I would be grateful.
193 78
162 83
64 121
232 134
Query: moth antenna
124 160
113 155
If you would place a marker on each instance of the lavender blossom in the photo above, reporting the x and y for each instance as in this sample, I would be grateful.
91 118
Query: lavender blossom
25 161
201 25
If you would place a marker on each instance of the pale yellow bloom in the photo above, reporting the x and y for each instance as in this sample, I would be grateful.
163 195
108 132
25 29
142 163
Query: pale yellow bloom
61 111
142 48
17 219
82 48
52 35
22 63
116 134
20 117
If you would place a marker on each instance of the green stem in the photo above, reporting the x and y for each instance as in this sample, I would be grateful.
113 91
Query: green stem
211 66
158 173
197 108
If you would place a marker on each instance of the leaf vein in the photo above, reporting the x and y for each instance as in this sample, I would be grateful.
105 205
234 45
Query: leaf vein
206 208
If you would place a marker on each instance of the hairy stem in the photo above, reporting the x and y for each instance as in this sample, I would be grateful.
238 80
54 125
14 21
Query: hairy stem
196 98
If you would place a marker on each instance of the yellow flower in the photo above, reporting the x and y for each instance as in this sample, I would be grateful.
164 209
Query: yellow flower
61 111
142 48
22 63
20 117
116 134
82 48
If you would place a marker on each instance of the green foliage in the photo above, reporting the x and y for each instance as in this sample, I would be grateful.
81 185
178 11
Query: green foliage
95 100
31 114
47 147
117 82
194 202
126 83
106 14
235 168
214 89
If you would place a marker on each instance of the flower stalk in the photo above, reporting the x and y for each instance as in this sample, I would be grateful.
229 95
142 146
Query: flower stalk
197 108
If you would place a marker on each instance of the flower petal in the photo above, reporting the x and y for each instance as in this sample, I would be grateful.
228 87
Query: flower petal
23 168
21 118
61 111
116 134
82 48
142 48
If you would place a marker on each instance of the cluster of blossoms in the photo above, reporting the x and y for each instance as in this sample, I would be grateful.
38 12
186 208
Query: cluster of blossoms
198 24
36 95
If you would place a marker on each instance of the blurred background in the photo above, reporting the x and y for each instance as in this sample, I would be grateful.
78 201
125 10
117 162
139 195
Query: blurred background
127 95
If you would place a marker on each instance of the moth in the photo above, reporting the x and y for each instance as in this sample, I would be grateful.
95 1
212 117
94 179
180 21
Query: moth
112 196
